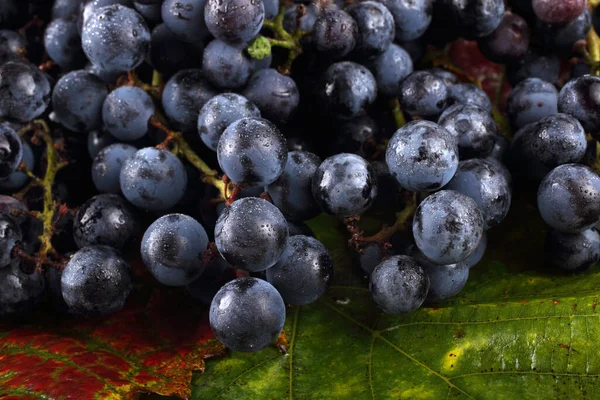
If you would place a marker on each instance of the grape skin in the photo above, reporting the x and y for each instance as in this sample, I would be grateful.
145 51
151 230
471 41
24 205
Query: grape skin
77 101
411 17
19 292
391 68
531 100
303 272
169 54
473 127
344 185
573 252
11 150
399 285
247 314
335 33
508 42
183 96
63 45
376 27
469 94
97 140
220 112
447 227
126 112
422 156
116 38
569 198
292 192
106 168
24 91
558 11
225 66
275 95
236 22
172 249
423 94
251 234
153 179
185 18
96 281
561 38
252 152
105 219
17 179
10 235
580 98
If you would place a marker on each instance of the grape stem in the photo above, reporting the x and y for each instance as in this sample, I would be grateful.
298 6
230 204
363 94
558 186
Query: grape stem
397 113
286 40
357 241
52 211
593 52
176 143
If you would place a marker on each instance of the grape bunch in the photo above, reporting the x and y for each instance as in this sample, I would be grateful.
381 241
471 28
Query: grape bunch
200 136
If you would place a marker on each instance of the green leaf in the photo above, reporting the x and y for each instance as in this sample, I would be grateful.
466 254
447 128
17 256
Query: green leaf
517 330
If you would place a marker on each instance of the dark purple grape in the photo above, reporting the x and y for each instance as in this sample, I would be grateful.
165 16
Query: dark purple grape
561 38
423 94
24 91
335 33
474 129
573 252
580 98
276 95
376 27
11 150
558 11
508 42
530 101
225 66
236 22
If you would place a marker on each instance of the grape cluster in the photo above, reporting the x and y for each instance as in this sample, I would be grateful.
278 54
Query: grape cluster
199 136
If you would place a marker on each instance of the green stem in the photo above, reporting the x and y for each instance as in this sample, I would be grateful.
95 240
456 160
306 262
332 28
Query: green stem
593 46
286 40
397 113
157 78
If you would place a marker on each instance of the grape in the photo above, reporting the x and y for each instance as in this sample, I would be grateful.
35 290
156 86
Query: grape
106 168
354 135
535 64
221 111
126 112
307 22
335 33
24 91
473 127
10 236
252 152
448 77
275 95
347 89
399 285
169 54
77 101
562 38
271 8
185 18
16 180
422 156
447 227
11 45
172 249
344 185
508 42
411 17
376 27
423 94
12 207
291 192
251 234
19 292
580 98
105 219
116 38
477 255
484 182
299 228
97 140
153 179
89 7
303 272
558 11
63 45
469 93
554 140
96 281
389 191
247 314
569 198
11 150
445 281
236 22
225 66
65 8
370 257
183 97
476 18
530 101
211 281
390 69
573 252
416 48
501 148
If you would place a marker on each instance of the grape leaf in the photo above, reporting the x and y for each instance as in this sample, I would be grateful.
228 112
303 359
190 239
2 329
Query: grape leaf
517 330
151 346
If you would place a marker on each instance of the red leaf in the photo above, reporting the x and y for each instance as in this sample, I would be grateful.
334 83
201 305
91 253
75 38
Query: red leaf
151 346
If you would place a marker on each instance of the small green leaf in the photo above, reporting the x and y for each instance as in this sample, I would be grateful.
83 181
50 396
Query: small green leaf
259 48
517 330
